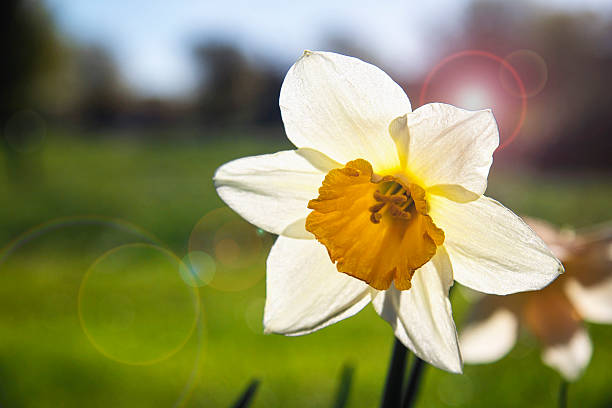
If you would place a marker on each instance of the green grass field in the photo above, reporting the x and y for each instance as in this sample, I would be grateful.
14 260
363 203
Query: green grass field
95 312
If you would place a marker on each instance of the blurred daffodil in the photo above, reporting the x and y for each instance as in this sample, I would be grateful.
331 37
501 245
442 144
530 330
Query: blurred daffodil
554 314
380 204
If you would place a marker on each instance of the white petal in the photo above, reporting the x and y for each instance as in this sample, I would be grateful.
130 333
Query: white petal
492 250
342 107
572 357
422 317
593 302
450 150
272 191
305 292
490 333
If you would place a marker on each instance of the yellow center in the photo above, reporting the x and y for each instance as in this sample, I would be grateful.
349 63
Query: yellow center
375 228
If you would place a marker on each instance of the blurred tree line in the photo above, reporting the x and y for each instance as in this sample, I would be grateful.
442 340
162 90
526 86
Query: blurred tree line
232 90
46 79
80 83
30 50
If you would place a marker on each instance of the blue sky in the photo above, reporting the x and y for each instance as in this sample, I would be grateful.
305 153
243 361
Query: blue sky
151 39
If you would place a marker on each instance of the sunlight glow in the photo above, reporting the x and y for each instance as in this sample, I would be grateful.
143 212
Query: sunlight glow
474 97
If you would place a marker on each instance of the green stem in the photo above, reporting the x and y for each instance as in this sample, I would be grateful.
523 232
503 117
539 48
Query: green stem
344 388
392 395
412 389
563 394
246 398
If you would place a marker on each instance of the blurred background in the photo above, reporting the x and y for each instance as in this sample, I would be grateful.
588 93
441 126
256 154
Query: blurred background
123 279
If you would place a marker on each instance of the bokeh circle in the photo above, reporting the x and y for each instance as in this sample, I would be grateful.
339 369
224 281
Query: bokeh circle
198 268
120 309
532 70
48 283
65 223
237 248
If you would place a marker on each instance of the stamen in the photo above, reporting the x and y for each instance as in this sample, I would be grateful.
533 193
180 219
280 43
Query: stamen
376 207
408 202
392 197
398 212
378 196
398 199
375 217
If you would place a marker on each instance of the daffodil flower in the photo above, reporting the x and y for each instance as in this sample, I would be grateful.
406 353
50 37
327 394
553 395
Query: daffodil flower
379 204
554 314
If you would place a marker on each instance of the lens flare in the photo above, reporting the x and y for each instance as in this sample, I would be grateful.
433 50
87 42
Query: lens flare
41 274
491 57
194 375
474 97
73 221
120 309
238 249
45 265
198 269
237 244
532 69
